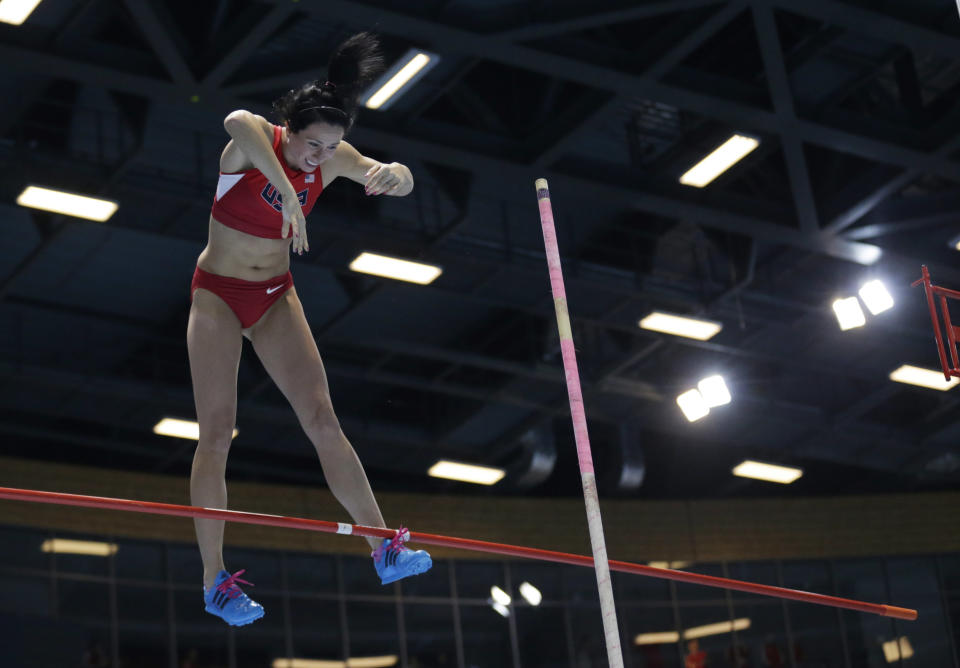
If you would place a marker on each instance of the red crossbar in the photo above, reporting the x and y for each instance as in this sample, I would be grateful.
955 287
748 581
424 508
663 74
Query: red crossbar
449 541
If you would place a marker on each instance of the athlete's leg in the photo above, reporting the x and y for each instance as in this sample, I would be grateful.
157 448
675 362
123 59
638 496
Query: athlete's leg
285 345
214 342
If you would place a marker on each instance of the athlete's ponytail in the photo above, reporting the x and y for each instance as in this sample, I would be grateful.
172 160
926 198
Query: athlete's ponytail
334 100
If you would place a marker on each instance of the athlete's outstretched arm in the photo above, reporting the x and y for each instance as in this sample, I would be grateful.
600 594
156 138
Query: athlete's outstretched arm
253 136
377 177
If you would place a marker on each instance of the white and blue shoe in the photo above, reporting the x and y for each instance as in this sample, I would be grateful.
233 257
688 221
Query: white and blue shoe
227 601
394 561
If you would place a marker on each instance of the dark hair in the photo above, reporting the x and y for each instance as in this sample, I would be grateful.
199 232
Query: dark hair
353 65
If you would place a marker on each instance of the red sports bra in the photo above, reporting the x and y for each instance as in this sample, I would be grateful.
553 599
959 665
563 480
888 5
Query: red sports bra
246 201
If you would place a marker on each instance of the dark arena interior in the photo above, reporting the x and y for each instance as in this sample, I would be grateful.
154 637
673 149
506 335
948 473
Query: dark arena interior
777 175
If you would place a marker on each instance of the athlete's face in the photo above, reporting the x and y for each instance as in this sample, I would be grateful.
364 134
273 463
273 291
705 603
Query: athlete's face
313 145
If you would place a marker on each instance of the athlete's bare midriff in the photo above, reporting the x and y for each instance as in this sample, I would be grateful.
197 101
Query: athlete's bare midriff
236 254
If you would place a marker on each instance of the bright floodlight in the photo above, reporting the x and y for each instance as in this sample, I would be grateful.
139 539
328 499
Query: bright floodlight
180 429
897 649
531 594
914 375
502 609
678 325
874 294
500 596
84 547
480 475
386 90
16 11
849 313
391 267
720 160
693 406
68 204
714 391
769 472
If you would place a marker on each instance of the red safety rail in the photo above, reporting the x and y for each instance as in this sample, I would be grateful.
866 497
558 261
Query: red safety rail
953 332
449 541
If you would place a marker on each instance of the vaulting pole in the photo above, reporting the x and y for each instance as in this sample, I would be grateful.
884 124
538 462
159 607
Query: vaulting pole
588 479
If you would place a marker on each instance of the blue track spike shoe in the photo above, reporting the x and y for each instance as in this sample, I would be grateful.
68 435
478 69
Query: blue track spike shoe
227 601
394 561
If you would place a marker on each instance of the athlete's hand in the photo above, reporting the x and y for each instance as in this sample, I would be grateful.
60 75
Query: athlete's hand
294 224
390 179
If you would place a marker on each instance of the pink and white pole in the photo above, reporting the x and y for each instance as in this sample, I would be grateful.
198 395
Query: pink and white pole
611 629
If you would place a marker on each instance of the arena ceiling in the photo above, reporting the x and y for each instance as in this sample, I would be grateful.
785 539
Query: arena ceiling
856 107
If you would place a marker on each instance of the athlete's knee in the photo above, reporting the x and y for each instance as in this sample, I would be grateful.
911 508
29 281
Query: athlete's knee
216 431
320 420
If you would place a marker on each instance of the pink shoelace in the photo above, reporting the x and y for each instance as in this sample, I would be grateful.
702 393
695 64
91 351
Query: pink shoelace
396 544
229 586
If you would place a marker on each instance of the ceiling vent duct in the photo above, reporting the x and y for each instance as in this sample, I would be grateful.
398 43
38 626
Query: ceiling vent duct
624 469
538 458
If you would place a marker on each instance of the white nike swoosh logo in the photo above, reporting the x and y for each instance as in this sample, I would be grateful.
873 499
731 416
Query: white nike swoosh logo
270 291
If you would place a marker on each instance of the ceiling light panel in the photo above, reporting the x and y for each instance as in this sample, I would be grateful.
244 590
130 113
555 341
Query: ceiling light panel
678 325
914 375
68 204
720 160
480 475
768 472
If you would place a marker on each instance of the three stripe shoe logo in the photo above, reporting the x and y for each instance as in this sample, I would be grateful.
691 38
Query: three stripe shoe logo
220 599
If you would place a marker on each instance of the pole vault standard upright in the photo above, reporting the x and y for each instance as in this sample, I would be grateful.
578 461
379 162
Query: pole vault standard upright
598 545
153 508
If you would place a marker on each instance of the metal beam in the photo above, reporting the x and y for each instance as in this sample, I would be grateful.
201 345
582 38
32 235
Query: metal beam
319 331
31 91
157 34
532 263
176 398
116 172
779 82
42 63
622 195
570 135
55 378
459 41
663 64
464 159
873 24
633 389
875 230
589 21
695 39
277 82
161 91
616 385
854 212
464 247
251 40
454 40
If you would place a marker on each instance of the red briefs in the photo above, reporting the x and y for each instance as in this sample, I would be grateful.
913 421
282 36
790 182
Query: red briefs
249 300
